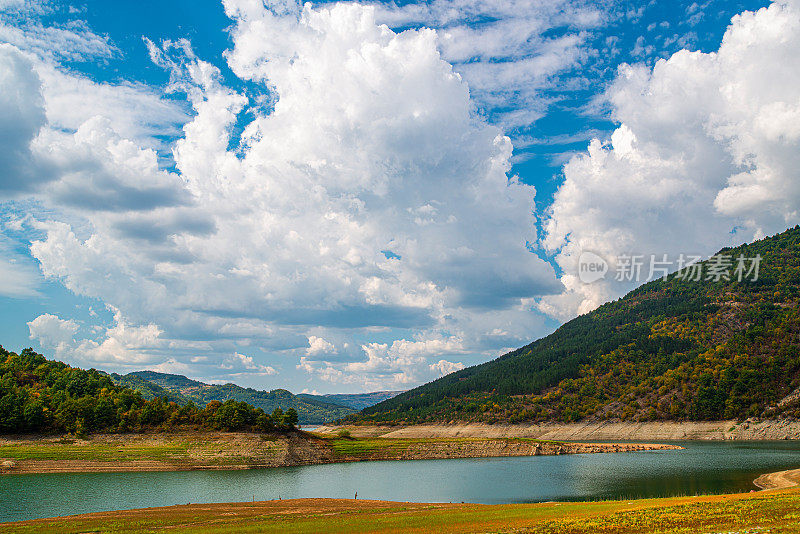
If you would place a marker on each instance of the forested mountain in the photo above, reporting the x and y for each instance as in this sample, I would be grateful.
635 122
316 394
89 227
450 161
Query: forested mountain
674 349
357 401
168 381
41 395
310 409
147 389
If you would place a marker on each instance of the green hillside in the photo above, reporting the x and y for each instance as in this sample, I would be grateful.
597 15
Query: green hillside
147 389
674 349
167 381
39 395
310 409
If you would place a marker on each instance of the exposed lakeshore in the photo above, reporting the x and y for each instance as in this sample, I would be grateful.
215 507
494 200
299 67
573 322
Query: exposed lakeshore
589 431
778 480
190 450
243 450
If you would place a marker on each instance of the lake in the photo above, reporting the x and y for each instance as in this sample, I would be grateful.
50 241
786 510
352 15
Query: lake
704 467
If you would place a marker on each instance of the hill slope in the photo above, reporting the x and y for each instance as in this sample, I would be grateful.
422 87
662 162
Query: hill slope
40 395
181 389
356 401
674 349
147 389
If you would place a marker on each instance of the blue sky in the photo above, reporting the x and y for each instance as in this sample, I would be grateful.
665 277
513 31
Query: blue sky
361 196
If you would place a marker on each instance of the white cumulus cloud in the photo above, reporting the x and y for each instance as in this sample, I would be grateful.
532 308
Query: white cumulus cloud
365 197
706 155
121 347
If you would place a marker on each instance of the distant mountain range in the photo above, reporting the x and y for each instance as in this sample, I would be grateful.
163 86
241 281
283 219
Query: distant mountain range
688 347
357 401
311 409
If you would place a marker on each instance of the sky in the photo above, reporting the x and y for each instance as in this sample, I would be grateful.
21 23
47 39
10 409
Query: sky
360 196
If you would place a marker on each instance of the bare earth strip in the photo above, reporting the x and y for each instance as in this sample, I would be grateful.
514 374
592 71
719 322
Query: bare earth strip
596 430
779 480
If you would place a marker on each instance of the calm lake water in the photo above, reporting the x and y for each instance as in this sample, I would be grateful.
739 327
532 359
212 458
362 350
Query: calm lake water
701 468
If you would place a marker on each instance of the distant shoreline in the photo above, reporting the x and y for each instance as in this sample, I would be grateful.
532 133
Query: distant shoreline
184 451
202 450
749 430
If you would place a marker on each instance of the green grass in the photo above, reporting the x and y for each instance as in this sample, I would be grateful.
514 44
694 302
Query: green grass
366 447
177 450
187 450
101 452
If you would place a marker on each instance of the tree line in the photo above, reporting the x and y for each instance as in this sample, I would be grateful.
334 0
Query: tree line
40 395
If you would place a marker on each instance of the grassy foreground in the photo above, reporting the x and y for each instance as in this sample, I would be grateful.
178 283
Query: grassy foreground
775 511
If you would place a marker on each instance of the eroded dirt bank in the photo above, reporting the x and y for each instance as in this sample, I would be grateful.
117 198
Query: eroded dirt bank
240 450
657 431
443 448
161 452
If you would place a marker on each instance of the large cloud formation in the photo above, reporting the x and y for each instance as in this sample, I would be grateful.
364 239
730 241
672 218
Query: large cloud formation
345 211
706 155
358 217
